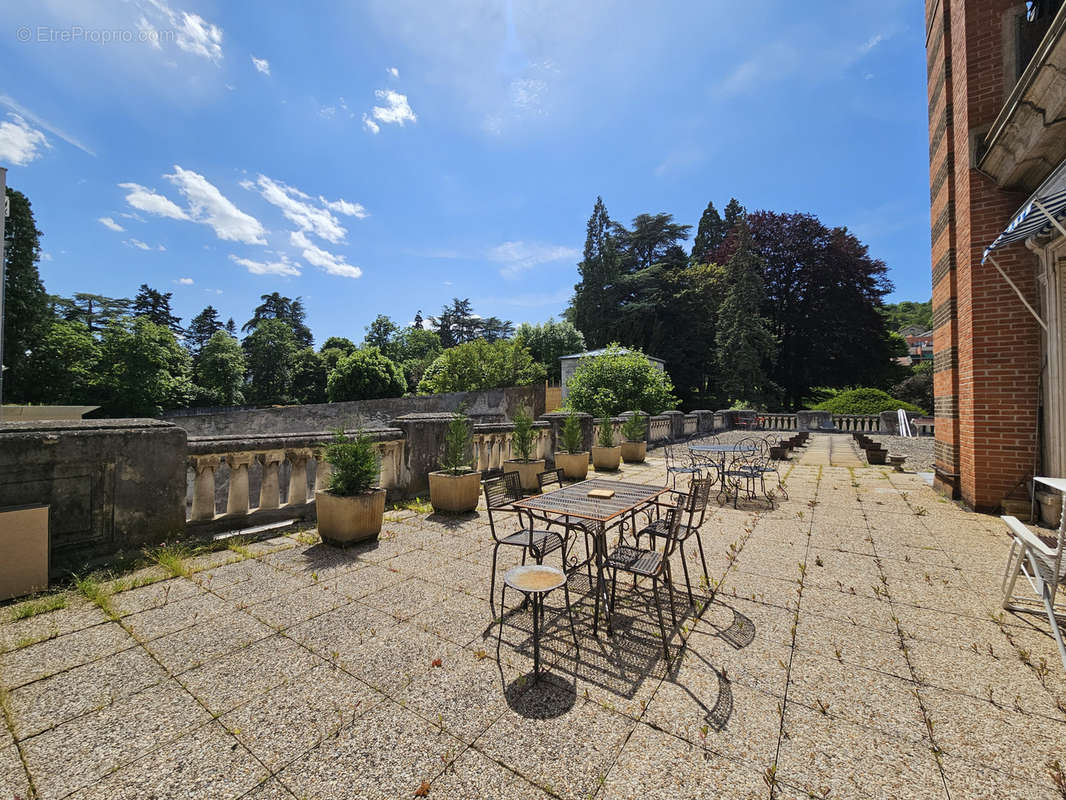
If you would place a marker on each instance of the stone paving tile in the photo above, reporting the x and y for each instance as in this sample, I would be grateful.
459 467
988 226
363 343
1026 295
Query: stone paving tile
211 561
319 560
472 776
852 644
276 583
75 617
405 599
206 641
46 703
976 782
393 657
14 784
556 740
846 607
176 614
367 581
79 752
232 573
55 655
269 790
657 766
143 598
458 618
206 763
230 681
287 610
282 724
386 753
342 631
822 754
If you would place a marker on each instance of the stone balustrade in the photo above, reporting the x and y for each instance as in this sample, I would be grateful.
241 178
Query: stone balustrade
658 429
492 444
778 421
691 424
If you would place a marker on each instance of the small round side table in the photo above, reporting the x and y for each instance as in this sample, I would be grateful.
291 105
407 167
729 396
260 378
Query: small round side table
535 582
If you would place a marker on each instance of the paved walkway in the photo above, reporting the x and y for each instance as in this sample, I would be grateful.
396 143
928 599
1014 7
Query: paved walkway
830 450
853 648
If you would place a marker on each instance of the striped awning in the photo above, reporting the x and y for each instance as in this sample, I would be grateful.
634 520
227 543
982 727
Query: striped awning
1045 209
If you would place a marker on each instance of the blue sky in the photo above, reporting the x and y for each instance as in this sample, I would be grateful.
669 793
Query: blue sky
385 156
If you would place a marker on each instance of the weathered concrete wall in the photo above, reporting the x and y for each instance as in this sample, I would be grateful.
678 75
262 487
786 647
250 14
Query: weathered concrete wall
111 484
493 405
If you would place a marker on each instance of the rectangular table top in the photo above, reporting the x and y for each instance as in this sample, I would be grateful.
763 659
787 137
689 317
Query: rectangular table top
574 501
721 448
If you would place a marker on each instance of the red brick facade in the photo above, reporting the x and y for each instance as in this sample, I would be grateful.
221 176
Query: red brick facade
987 348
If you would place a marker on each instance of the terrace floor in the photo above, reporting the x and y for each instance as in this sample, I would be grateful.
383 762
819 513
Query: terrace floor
853 648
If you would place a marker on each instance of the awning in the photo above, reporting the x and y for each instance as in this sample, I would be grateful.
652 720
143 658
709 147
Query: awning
1045 209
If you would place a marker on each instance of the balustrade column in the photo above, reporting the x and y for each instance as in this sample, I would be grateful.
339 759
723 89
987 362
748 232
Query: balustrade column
203 491
388 465
323 469
482 442
270 486
297 476
237 501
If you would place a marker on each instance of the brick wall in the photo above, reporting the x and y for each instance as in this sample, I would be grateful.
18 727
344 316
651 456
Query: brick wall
986 346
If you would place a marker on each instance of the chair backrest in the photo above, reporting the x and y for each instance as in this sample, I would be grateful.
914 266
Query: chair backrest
697 499
673 527
674 457
500 492
551 477
752 451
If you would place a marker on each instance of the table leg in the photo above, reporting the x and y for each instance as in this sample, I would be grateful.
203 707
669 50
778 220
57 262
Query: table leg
537 602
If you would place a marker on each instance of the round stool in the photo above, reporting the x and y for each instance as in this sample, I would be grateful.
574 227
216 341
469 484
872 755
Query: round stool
535 581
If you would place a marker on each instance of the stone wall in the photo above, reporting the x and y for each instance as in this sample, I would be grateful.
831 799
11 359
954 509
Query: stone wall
493 405
111 484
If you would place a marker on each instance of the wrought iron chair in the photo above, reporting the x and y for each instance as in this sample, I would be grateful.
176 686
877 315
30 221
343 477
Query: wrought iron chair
1042 562
679 461
500 495
653 564
749 466
694 505
553 479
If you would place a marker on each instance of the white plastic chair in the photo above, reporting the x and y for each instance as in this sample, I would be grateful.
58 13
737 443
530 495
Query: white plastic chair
1041 563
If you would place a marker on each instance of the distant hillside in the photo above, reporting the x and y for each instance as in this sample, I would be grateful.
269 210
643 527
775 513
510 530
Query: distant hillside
900 315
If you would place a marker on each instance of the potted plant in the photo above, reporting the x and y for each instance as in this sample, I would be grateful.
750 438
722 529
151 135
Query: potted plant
522 444
605 455
351 509
635 447
456 487
572 459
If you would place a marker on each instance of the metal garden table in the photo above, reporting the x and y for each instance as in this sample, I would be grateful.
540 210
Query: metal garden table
722 450
601 513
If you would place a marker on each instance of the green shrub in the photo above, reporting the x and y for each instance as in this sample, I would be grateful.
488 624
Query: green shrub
365 374
616 381
864 401
572 437
634 427
605 437
473 366
355 464
522 436
456 458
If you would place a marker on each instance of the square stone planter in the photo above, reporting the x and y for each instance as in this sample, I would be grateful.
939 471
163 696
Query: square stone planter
24 543
575 466
634 452
343 521
606 458
527 472
454 493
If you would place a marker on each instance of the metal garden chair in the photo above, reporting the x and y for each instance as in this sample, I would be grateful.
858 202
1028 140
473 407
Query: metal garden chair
693 504
553 479
1042 564
653 564
500 493
679 461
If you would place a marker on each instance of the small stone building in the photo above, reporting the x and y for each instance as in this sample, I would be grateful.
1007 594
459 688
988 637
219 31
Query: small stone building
572 362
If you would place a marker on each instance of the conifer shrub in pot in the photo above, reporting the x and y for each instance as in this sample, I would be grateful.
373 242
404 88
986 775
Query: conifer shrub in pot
522 438
456 487
351 509
606 455
635 446
573 460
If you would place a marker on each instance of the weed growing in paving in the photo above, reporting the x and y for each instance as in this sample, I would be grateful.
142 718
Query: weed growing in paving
95 592
171 557
52 602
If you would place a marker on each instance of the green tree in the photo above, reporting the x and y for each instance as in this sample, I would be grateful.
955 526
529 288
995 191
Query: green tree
709 234
96 311
63 364
269 351
415 349
594 301
745 342
548 341
908 312
142 369
380 334
156 307
201 328
458 324
365 374
25 302
617 381
309 374
478 365
864 400
285 309
219 373
338 343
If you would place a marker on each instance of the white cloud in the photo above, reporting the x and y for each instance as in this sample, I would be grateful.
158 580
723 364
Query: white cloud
393 72
209 206
186 281
299 208
262 65
138 244
356 210
26 114
46 256
160 248
151 202
329 112
280 267
520 256
19 143
396 111
330 262
192 33
527 94
110 224
871 43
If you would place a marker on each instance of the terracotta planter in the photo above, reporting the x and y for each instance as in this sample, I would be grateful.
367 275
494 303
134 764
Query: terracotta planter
343 521
779 452
606 458
527 472
634 452
876 456
575 466
454 493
